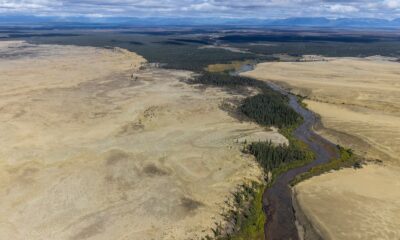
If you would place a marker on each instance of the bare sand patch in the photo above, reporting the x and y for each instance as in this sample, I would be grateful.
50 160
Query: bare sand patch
221 67
353 204
93 148
265 136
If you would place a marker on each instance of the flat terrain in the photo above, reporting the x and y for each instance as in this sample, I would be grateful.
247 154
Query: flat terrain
358 99
94 147
359 104
353 204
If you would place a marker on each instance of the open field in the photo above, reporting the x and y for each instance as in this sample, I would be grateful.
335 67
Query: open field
353 204
94 148
233 66
358 101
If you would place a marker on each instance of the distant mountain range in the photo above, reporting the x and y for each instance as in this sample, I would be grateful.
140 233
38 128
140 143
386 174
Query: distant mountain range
131 21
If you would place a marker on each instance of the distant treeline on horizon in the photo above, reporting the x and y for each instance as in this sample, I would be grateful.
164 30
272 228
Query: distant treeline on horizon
180 21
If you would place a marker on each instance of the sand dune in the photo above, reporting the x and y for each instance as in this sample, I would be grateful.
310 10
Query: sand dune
353 204
94 148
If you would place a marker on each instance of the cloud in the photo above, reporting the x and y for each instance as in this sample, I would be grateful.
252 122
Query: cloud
393 4
339 8
206 8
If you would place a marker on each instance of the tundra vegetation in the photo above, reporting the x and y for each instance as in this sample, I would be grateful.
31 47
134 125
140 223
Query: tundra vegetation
347 159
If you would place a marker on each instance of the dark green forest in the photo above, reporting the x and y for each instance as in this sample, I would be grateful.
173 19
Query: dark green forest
270 109
183 53
184 49
226 80
271 157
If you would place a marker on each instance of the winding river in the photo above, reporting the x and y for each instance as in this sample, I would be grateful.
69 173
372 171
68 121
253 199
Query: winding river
277 199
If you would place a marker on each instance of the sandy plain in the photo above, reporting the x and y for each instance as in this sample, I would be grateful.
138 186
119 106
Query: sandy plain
353 204
94 147
358 100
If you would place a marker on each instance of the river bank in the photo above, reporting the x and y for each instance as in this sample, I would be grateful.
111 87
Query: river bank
277 197
305 228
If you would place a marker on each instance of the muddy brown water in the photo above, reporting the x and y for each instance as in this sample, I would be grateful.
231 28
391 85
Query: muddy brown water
277 199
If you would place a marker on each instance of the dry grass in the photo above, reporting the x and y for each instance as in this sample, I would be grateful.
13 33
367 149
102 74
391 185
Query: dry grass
92 147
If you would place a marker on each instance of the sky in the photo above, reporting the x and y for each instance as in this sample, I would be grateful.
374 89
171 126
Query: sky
388 9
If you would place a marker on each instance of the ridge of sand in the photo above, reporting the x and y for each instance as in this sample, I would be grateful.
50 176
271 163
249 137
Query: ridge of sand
91 147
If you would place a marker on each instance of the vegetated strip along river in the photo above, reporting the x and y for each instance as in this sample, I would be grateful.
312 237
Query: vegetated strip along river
277 199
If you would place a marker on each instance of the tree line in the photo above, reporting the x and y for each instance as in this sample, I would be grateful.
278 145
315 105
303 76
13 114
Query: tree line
271 156
267 108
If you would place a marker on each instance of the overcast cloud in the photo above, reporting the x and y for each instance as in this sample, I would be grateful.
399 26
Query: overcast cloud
206 8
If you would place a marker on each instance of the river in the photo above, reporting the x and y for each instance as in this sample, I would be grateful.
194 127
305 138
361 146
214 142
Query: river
277 199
